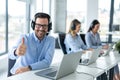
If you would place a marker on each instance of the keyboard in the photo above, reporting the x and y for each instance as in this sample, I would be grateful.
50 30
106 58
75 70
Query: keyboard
48 72
52 74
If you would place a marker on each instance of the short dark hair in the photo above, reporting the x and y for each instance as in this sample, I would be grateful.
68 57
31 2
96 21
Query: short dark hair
42 15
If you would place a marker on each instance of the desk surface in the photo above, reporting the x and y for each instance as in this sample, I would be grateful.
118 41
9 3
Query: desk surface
31 76
101 65
57 58
77 76
95 72
107 62
91 71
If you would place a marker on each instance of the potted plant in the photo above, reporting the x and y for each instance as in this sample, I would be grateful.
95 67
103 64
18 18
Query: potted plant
117 46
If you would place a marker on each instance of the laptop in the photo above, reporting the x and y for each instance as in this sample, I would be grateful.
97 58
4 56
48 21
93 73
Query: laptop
93 57
106 52
67 66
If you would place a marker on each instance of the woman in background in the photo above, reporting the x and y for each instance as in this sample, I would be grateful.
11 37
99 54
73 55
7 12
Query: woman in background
93 40
92 37
73 41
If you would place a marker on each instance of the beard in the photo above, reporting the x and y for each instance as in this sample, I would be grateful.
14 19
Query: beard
40 34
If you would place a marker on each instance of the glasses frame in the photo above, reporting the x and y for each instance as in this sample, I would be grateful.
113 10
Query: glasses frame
38 26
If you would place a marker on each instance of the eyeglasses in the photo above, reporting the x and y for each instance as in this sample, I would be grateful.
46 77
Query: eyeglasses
41 25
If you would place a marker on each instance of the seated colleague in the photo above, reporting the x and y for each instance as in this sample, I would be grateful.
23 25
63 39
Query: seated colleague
93 40
34 50
92 37
73 41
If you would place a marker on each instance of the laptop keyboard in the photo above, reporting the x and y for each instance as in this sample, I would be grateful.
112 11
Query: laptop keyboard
48 72
52 74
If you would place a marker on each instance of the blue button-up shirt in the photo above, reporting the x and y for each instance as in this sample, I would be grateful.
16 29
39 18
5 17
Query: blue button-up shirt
39 54
74 44
93 41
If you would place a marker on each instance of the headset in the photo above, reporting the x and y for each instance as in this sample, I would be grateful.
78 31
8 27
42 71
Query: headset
41 15
73 26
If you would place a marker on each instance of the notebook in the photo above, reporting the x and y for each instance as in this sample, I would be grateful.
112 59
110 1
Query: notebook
67 66
106 52
92 58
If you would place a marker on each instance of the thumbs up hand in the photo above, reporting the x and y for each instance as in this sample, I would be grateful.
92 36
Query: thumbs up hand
21 48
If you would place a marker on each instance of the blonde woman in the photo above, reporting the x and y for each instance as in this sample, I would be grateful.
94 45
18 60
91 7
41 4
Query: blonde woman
73 41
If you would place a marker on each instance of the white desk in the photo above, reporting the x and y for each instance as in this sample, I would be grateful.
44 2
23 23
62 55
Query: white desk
102 65
31 76
76 76
107 62
95 72
57 58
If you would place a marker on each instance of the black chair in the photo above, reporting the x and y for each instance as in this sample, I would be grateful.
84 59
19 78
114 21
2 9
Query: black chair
10 65
83 38
61 37
56 43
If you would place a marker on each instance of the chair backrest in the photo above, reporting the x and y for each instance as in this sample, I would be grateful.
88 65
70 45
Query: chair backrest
83 38
10 65
57 46
61 37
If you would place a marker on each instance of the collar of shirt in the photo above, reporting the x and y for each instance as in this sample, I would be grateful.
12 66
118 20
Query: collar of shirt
93 34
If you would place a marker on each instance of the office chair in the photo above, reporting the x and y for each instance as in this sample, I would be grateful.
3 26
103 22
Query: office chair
56 43
83 38
61 37
10 65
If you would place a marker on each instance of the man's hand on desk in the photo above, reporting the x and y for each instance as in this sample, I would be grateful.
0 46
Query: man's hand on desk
22 69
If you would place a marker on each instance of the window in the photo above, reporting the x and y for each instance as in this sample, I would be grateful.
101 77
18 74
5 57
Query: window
2 26
43 6
76 9
16 24
116 21
103 17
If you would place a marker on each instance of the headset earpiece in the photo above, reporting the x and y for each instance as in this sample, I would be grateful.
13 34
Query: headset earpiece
73 26
33 24
49 27
49 24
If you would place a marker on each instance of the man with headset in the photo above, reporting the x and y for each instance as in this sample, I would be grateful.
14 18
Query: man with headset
34 50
